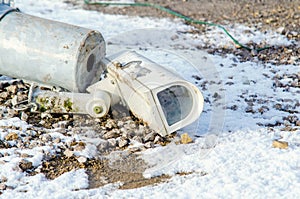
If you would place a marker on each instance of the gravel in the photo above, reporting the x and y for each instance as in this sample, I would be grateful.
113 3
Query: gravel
121 131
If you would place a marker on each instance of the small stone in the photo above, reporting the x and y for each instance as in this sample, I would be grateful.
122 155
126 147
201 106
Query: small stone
280 144
115 113
46 115
46 138
66 116
82 159
103 145
25 165
24 116
42 122
14 100
249 109
138 139
20 144
294 33
55 125
112 142
150 137
68 153
2 186
128 134
149 145
281 30
24 155
217 95
120 123
38 170
3 179
57 140
11 136
186 139
112 134
134 149
12 89
123 142
4 95
11 112
110 124
79 147
157 139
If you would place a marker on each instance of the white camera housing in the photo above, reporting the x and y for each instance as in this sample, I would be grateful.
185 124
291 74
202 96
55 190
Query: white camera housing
159 97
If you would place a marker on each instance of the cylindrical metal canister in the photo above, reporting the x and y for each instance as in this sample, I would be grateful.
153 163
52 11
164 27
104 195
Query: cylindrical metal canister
49 52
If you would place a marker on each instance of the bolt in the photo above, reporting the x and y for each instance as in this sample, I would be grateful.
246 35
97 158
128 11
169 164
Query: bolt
98 109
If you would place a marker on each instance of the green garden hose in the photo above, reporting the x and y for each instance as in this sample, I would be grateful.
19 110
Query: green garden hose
177 14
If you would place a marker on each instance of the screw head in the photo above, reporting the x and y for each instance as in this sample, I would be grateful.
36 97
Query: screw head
98 109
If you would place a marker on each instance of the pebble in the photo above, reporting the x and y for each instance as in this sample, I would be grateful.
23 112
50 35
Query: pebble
114 133
2 186
157 139
82 159
103 145
112 142
68 153
128 134
3 179
57 140
123 142
186 139
42 122
11 136
150 136
110 124
24 116
149 145
14 100
46 115
280 144
138 139
4 95
25 165
281 30
24 155
12 89
11 112
79 147
46 138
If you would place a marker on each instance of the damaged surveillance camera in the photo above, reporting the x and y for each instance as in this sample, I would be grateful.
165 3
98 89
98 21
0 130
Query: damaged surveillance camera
156 95
41 52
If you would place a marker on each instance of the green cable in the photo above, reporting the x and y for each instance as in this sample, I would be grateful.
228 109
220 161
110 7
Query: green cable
174 13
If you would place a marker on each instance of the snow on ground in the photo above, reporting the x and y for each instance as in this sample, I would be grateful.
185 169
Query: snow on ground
242 163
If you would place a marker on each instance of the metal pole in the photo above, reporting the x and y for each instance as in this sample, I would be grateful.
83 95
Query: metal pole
49 52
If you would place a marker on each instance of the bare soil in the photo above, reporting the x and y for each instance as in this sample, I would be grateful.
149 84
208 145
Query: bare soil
263 14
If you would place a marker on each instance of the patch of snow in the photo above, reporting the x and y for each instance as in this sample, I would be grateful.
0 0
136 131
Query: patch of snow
235 160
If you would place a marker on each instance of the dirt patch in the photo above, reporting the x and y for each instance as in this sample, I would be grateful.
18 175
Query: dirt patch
264 14
101 172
